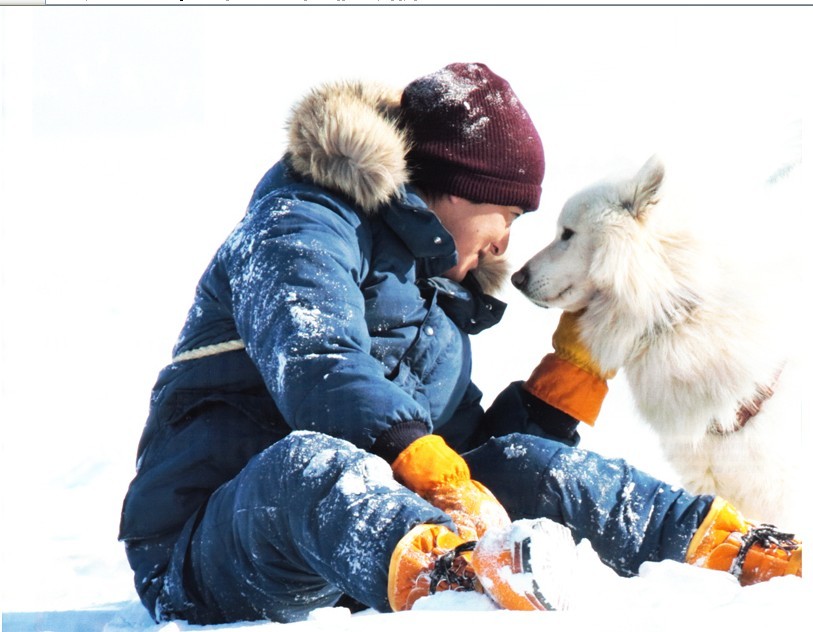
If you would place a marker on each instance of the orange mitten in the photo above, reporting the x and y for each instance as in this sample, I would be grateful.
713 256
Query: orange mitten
569 378
437 473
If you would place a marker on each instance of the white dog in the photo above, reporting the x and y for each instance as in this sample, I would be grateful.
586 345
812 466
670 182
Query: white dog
698 357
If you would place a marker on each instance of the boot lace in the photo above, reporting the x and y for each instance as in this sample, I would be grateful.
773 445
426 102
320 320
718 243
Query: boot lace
454 570
766 536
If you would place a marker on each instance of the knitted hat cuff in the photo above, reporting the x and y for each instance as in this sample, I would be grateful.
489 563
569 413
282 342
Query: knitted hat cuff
479 187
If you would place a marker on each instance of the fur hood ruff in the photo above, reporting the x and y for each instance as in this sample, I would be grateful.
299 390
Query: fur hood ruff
345 136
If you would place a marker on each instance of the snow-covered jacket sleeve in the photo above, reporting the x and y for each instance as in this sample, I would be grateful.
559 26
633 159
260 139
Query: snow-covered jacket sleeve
295 269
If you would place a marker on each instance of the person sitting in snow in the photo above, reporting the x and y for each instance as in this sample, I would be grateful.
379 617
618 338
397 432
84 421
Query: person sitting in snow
317 438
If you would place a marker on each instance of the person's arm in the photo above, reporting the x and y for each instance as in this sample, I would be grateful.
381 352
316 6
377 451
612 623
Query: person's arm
295 280
517 410
570 379
565 388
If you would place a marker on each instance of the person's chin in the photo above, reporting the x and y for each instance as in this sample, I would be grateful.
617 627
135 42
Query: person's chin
457 273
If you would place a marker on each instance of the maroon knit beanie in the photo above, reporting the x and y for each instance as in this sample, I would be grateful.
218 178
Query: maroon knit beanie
471 137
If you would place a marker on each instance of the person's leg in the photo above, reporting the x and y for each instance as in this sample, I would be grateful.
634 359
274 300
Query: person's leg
307 520
628 516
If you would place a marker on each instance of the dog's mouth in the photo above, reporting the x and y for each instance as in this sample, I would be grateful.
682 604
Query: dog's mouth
549 301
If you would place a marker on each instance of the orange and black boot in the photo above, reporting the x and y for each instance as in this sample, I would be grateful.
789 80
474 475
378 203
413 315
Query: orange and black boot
529 565
428 559
726 541
526 565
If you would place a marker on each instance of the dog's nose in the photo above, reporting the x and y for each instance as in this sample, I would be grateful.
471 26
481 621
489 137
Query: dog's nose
520 279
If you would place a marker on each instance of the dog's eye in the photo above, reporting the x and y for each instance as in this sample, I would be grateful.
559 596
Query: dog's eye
567 234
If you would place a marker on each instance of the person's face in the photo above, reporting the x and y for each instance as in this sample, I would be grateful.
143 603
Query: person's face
478 230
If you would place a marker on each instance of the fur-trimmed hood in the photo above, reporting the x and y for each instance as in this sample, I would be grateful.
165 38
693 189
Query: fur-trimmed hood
345 136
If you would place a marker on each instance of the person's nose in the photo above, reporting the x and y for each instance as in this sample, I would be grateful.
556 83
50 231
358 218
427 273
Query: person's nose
499 247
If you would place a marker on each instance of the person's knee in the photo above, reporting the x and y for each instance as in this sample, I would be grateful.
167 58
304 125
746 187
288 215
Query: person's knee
310 455
307 443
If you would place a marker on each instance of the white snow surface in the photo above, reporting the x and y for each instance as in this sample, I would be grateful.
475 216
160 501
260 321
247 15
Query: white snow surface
131 139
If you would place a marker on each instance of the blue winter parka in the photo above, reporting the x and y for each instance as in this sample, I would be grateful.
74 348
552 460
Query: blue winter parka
344 314
323 310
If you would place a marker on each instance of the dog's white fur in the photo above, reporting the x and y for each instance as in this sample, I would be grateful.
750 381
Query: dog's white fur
689 337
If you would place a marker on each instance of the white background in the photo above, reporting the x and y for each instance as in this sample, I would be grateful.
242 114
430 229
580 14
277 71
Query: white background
130 142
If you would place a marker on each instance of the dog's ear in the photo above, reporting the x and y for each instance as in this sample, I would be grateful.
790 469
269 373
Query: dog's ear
642 194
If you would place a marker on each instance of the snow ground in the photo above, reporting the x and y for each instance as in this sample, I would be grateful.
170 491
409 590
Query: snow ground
131 140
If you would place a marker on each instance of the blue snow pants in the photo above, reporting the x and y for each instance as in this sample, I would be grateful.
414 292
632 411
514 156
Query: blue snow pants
312 518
